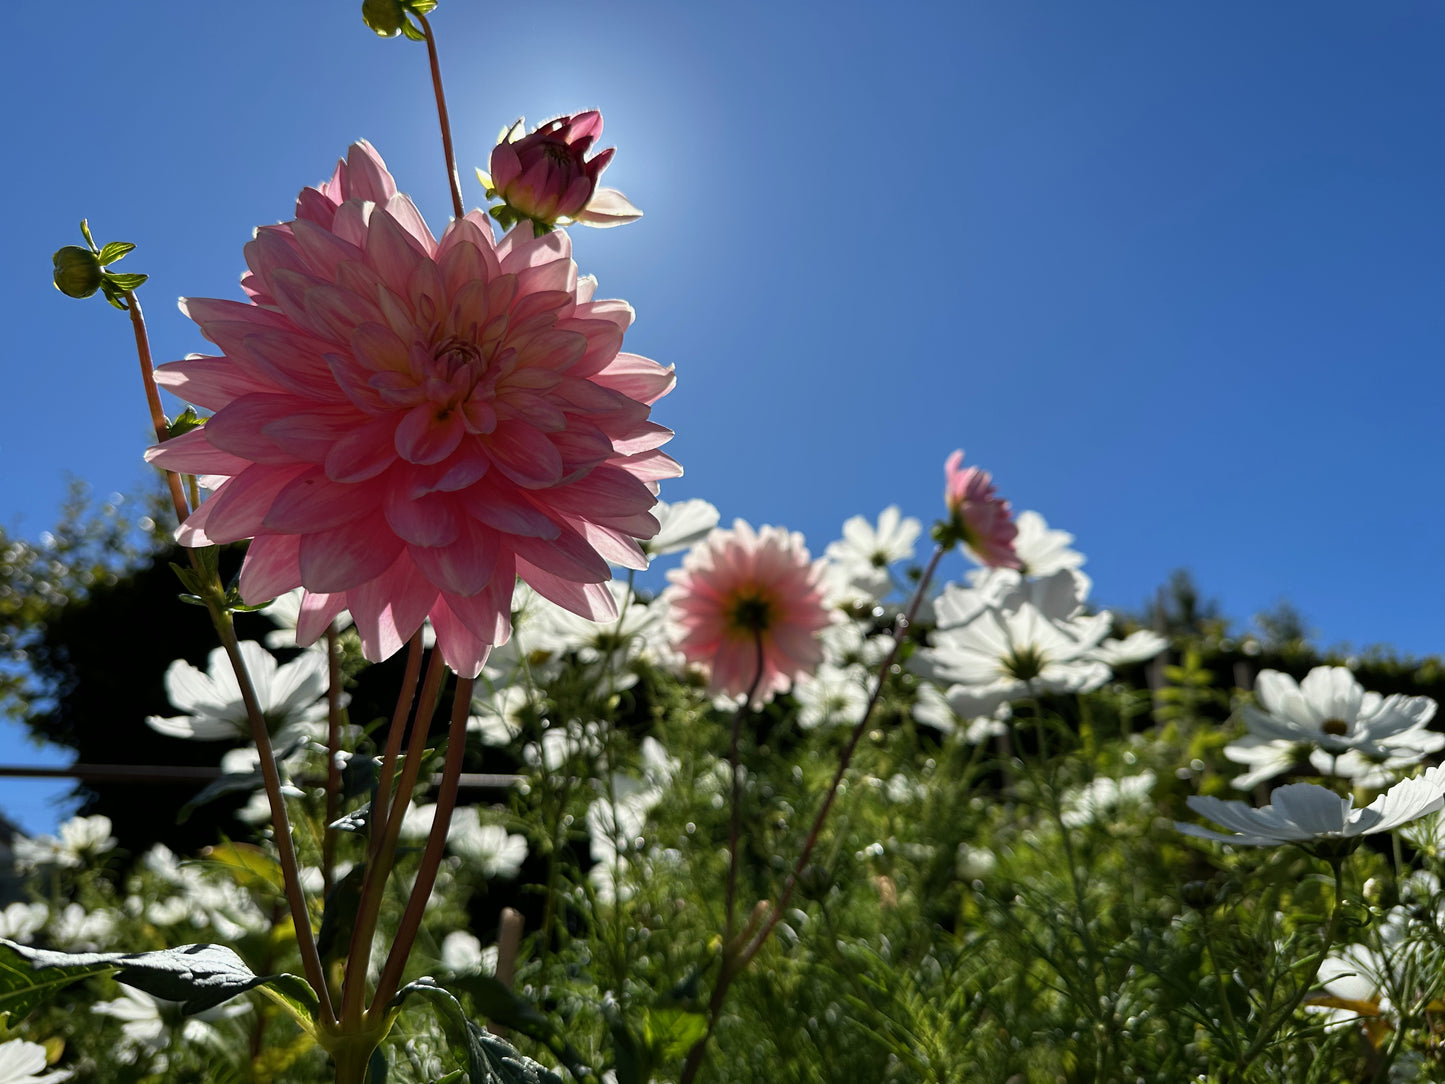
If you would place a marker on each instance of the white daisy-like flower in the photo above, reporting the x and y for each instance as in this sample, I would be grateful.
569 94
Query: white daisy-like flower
1306 813
20 922
681 525
1136 647
81 839
1079 806
1329 710
1034 639
75 929
489 848
865 553
832 697
24 1063
149 1024
933 709
462 954
1043 551
212 703
1264 757
500 714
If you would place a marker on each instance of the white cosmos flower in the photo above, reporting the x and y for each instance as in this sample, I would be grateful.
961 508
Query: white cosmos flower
682 524
1136 647
501 714
81 838
20 922
1329 710
832 697
212 702
489 848
992 648
150 1023
1043 551
1101 796
1306 813
863 555
1265 758
23 1063
462 954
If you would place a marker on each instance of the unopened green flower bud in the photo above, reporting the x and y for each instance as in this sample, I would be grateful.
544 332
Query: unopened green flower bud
77 271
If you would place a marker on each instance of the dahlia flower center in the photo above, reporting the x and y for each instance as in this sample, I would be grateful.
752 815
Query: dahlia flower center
750 612
1336 727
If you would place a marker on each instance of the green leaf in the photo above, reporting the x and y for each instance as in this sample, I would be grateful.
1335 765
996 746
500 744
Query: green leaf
338 916
125 283
412 32
489 1060
248 865
199 976
187 420
294 995
421 7
454 1077
672 1032
114 251
85 232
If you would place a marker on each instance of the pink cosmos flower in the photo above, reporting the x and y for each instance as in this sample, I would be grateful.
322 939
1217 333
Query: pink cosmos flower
544 175
738 587
406 425
981 519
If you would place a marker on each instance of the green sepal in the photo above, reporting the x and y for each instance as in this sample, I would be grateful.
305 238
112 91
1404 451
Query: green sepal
384 17
421 7
187 420
114 251
412 32
125 283
85 232
76 271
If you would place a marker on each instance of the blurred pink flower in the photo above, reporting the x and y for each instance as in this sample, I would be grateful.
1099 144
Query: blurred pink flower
738 587
407 425
544 175
980 518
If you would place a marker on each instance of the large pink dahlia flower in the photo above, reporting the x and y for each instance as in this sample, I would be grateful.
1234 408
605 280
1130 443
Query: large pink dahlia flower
739 588
407 425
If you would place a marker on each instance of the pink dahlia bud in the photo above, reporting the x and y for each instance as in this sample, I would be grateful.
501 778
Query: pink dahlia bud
748 606
978 516
545 176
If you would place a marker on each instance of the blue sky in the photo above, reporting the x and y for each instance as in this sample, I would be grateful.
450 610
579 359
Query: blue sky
1172 272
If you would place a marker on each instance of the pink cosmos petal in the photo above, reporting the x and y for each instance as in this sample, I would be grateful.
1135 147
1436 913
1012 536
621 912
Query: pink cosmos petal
404 425
740 590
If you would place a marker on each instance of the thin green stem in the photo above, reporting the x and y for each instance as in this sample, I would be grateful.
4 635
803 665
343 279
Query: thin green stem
436 843
436 81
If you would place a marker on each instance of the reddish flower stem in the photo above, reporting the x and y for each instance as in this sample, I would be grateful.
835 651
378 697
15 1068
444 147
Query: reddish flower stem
153 399
431 858
404 699
734 958
281 825
735 828
333 748
373 884
453 177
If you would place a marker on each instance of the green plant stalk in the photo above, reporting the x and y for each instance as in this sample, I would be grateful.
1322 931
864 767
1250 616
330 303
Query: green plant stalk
1273 1021
431 858
736 957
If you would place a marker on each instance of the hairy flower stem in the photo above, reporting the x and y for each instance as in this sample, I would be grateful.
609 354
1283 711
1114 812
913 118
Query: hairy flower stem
432 857
153 399
378 869
735 958
281 825
436 81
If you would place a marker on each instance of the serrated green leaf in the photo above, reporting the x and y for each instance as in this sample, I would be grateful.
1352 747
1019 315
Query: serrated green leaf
114 251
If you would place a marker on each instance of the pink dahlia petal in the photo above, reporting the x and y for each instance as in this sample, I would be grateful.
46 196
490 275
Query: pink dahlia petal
979 517
404 425
742 593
